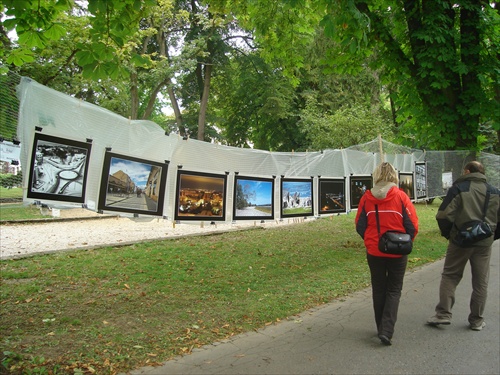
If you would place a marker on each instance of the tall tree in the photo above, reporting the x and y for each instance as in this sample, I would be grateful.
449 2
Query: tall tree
257 105
254 105
442 54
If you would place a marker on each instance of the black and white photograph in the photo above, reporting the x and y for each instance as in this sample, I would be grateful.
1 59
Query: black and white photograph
58 169
253 198
421 180
200 196
296 197
331 196
132 185
406 184
359 185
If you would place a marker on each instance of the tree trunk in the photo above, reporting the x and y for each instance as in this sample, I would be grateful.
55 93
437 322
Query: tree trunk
152 99
177 111
134 96
204 102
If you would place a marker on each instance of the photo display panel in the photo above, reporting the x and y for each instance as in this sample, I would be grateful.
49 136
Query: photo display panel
200 196
332 196
421 179
58 169
132 185
359 185
296 197
253 198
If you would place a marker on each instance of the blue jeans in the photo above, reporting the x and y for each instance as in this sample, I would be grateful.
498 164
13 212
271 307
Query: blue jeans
453 270
387 276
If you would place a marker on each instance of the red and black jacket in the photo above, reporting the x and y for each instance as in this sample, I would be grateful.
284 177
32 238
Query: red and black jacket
396 213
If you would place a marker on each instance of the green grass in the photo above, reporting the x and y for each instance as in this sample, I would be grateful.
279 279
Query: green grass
114 309
18 211
16 193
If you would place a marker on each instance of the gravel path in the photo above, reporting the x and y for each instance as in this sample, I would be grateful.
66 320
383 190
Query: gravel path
81 229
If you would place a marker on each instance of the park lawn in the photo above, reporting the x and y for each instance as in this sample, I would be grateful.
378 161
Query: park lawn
11 211
20 212
13 193
114 309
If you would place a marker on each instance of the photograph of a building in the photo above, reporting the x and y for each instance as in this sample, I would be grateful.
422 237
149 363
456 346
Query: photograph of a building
296 197
132 185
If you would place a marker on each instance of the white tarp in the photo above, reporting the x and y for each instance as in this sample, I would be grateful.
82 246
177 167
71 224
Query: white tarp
59 115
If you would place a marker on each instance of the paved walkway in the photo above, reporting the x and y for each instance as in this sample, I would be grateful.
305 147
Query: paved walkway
340 338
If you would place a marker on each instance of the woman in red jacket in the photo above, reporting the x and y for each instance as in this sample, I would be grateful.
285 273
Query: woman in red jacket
396 213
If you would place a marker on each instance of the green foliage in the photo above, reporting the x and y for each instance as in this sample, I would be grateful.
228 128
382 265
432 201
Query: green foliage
263 116
112 23
438 59
8 180
438 64
343 128
316 114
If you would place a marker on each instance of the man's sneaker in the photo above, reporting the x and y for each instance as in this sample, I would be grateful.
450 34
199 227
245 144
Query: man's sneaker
436 320
479 327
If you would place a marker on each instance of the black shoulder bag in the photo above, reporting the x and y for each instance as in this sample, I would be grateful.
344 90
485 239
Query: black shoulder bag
392 242
475 230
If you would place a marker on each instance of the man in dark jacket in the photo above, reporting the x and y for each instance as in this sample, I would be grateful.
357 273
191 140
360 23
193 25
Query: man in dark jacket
469 199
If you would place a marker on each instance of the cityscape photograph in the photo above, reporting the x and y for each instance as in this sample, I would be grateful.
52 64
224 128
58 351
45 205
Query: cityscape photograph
200 195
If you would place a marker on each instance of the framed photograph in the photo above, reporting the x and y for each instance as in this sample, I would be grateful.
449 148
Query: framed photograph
331 196
296 197
253 198
132 185
407 184
421 180
358 186
58 169
200 196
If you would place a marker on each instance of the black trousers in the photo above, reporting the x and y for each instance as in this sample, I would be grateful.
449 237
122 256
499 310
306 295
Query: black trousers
387 276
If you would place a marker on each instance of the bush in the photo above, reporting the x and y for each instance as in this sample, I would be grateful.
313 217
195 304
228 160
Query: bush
10 180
